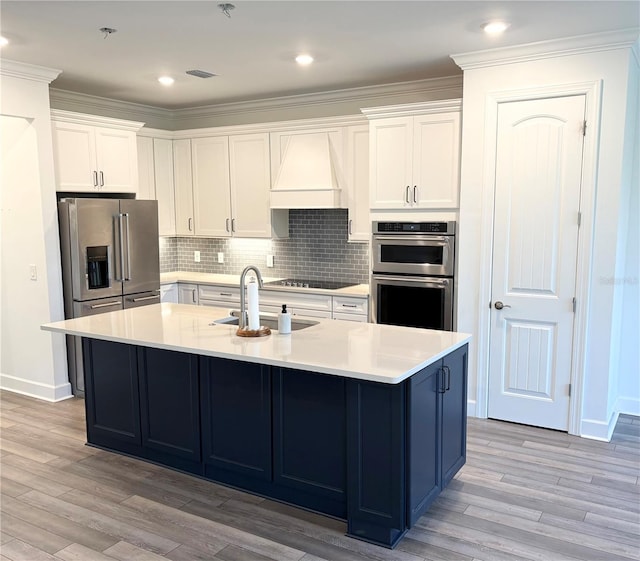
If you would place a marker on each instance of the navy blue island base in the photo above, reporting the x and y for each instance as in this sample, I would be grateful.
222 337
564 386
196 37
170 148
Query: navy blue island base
373 454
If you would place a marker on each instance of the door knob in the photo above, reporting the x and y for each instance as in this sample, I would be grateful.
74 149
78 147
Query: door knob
499 305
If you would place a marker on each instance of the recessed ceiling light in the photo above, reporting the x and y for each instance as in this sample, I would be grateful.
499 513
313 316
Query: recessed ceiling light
495 27
3 41
304 59
166 80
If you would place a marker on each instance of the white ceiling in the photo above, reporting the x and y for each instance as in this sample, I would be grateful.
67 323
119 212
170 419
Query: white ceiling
355 43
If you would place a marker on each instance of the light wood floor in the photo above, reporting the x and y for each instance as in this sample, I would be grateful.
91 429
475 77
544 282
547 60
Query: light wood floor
525 494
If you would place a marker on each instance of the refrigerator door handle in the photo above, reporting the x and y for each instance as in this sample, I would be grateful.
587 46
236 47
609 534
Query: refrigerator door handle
127 277
120 258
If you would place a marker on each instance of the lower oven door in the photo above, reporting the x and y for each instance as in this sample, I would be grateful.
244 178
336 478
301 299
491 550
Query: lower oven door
424 302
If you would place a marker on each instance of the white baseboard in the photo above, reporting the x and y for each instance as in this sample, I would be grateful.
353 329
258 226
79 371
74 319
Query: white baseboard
599 430
628 406
38 390
471 408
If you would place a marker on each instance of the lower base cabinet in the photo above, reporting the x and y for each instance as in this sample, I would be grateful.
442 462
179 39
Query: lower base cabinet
374 454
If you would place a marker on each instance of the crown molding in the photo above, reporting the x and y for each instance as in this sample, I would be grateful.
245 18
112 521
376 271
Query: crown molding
85 103
82 119
424 108
361 95
28 71
579 44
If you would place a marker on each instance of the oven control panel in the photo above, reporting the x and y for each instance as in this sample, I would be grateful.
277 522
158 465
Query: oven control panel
414 228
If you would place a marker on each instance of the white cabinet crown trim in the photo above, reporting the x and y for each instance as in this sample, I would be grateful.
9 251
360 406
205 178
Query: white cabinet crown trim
94 120
425 108
28 71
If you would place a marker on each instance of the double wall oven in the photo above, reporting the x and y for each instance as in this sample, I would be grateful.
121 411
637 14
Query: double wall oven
413 273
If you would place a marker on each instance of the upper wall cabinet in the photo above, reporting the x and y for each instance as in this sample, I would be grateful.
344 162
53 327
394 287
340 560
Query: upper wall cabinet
222 188
307 168
155 178
357 180
94 153
415 155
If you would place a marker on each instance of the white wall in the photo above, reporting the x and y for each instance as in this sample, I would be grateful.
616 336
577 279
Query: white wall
31 361
540 66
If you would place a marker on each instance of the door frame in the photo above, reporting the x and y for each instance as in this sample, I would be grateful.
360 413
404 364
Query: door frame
593 93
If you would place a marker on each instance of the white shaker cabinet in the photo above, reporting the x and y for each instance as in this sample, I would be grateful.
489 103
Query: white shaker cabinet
415 158
357 179
187 293
169 292
94 153
155 179
183 188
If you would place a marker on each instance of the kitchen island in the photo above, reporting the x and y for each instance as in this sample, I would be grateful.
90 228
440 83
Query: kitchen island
363 422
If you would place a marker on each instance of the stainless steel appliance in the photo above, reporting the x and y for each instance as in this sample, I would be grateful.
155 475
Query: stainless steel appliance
413 274
110 261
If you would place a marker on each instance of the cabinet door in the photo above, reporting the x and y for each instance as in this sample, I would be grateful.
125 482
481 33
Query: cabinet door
211 194
236 419
169 293
74 152
169 402
390 162
183 185
423 437
436 160
111 393
117 160
164 192
250 185
357 173
309 407
146 173
454 413
187 293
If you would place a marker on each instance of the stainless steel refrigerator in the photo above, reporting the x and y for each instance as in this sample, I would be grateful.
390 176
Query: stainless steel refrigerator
110 261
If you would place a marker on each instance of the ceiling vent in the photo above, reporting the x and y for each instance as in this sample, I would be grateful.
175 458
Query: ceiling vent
200 73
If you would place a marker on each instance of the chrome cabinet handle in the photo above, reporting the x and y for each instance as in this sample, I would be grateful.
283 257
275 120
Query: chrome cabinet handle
408 195
190 224
415 194
226 294
448 373
95 178
226 224
143 298
233 224
349 305
96 306
499 305
101 179
193 295
350 227
441 385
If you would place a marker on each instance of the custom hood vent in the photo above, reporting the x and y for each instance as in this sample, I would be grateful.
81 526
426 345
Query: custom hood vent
310 175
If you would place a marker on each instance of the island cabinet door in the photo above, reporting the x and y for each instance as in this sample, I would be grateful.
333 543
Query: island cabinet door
111 395
454 413
423 437
376 501
236 421
169 405
309 439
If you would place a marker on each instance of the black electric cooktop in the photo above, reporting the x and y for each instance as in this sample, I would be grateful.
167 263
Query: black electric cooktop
310 283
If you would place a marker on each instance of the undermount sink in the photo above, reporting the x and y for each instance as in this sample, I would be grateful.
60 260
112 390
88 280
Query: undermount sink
268 320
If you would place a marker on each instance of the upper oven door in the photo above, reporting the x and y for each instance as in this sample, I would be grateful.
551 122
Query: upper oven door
413 255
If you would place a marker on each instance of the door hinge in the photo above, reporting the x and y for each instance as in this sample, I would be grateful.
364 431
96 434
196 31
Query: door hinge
574 303
569 390
579 219
584 128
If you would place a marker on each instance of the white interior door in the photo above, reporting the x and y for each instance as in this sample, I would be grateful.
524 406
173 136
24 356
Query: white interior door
537 199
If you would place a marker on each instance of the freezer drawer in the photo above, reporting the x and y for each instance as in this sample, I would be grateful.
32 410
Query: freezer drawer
141 299
93 307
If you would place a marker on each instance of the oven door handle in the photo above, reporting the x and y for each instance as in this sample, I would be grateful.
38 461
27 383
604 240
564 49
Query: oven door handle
427 281
439 240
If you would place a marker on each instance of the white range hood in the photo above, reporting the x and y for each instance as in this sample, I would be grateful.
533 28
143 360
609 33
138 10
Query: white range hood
310 175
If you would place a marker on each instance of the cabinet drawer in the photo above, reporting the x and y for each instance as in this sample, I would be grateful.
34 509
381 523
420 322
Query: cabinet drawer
219 293
296 300
350 317
349 305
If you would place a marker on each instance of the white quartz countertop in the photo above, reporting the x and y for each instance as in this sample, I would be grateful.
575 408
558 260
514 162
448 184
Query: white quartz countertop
234 280
366 351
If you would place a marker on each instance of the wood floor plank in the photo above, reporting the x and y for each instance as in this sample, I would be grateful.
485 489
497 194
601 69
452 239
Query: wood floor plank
129 552
76 552
32 535
49 521
26 451
32 481
17 550
96 521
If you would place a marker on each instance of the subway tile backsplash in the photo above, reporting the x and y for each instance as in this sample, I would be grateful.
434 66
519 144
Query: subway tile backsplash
317 248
